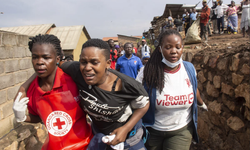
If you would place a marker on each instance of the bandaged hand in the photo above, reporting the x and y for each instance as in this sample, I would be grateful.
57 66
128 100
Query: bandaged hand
19 107
203 106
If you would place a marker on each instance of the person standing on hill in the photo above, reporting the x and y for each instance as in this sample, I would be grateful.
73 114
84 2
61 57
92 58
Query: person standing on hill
219 11
178 23
143 49
204 18
113 53
214 18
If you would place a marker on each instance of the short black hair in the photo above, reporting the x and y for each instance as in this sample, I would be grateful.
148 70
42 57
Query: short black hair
128 43
99 44
47 39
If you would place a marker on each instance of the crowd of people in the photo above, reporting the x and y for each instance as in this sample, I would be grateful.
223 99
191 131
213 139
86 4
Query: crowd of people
219 17
135 97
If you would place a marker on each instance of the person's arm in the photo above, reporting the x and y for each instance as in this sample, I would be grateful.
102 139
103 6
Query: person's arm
200 102
121 133
117 67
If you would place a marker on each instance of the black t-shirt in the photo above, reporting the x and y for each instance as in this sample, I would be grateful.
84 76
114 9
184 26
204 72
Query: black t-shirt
105 107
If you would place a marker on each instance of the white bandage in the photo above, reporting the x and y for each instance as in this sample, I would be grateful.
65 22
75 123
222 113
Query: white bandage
19 107
109 138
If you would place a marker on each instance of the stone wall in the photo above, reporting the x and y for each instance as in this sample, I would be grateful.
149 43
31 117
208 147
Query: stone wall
224 84
15 68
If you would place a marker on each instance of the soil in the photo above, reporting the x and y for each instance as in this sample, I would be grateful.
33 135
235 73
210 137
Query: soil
220 43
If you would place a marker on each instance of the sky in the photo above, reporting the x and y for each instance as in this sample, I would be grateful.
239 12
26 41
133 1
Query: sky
102 18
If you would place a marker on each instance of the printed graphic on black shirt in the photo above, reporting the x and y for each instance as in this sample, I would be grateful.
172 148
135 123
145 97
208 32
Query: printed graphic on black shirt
100 112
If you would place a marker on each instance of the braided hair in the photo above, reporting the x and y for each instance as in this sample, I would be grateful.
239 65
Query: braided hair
47 39
154 69
99 44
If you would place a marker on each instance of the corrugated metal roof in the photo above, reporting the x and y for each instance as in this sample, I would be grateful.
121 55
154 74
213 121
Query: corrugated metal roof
107 38
69 36
32 30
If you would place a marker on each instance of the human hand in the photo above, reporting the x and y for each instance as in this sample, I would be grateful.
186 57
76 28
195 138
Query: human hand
203 106
121 134
19 107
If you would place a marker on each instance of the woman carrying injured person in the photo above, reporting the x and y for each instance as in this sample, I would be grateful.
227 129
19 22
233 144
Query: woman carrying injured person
172 87
52 98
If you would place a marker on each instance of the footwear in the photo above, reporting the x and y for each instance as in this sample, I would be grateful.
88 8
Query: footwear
221 32
235 32
229 32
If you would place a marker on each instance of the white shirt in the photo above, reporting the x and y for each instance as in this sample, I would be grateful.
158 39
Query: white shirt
173 104
144 49
220 9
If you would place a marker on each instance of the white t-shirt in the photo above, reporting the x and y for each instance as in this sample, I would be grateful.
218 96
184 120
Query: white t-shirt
220 9
144 49
173 105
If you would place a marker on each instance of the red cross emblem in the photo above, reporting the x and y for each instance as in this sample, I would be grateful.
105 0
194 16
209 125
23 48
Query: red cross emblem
58 123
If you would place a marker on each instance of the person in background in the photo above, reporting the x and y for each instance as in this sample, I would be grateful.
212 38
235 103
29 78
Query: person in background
170 24
129 64
193 16
113 53
114 102
134 51
143 49
69 58
117 47
204 18
220 11
214 17
52 98
145 59
184 15
187 22
173 114
245 18
233 17
178 23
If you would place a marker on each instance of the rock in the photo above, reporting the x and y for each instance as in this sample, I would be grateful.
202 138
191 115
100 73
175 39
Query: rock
216 107
21 146
236 78
243 139
200 86
206 58
13 146
245 69
227 89
31 142
242 90
189 56
210 76
24 134
198 58
235 123
197 47
223 64
217 81
203 130
228 103
235 63
215 141
201 77
211 90
213 61
231 143
41 135
246 114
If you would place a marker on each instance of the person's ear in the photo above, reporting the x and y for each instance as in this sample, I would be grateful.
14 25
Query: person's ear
57 59
108 63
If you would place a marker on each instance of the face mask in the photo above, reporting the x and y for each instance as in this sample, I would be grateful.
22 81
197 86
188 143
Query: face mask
168 63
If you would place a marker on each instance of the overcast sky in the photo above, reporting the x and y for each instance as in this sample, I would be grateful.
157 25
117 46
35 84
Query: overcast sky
102 18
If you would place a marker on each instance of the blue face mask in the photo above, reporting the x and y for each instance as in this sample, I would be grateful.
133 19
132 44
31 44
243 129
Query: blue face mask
168 63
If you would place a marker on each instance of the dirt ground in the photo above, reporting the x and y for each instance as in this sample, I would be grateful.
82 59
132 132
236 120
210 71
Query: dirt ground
220 43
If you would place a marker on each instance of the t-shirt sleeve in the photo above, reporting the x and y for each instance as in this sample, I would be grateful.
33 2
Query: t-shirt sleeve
140 75
118 66
70 68
73 88
141 96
